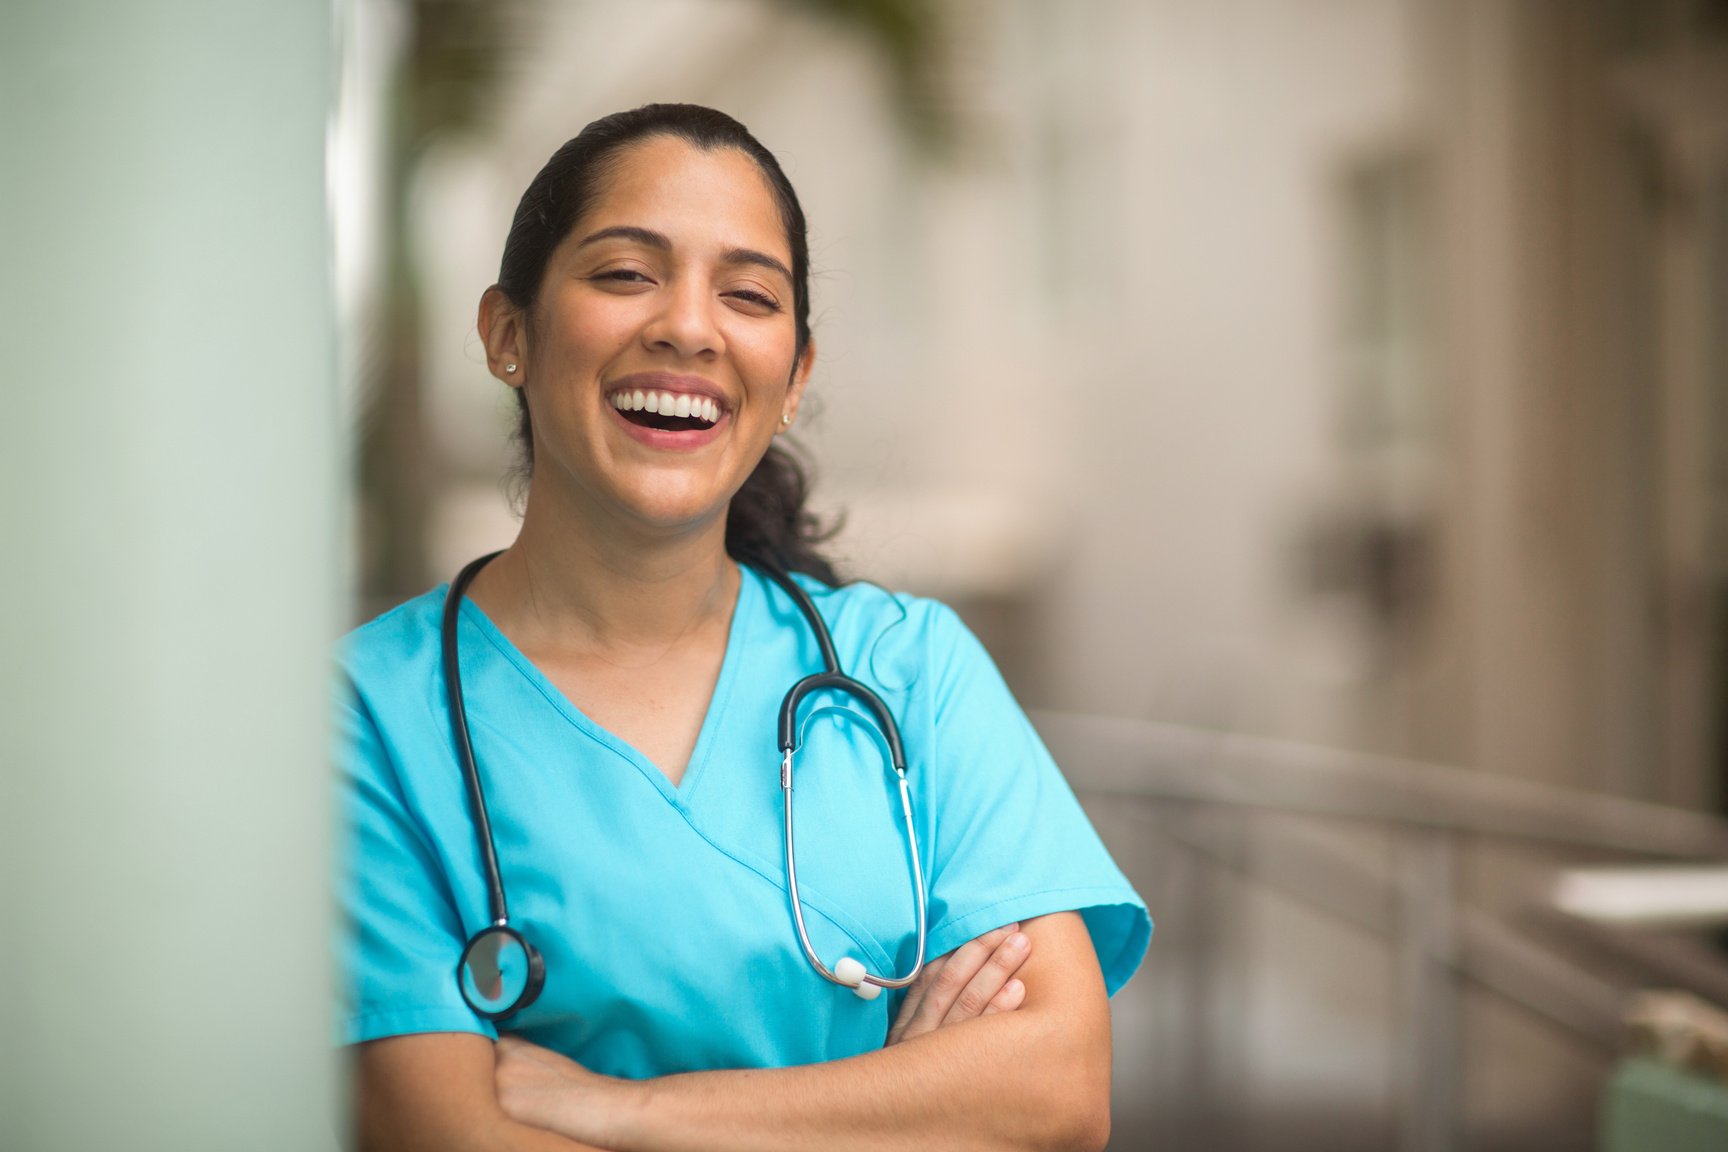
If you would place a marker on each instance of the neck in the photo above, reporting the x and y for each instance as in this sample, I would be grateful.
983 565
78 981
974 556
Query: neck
568 579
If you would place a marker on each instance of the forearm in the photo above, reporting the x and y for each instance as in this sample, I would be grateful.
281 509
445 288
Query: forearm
497 1135
975 1086
1034 1078
434 1093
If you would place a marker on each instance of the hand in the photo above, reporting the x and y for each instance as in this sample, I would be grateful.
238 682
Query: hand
539 1087
976 979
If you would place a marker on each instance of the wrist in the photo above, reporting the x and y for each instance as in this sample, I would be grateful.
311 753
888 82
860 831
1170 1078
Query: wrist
628 1114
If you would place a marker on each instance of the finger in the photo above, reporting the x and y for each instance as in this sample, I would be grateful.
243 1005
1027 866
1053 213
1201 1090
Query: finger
960 968
990 979
1013 995
946 976
914 997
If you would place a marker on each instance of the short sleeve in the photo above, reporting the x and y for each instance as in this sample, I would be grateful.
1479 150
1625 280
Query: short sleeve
1010 840
400 938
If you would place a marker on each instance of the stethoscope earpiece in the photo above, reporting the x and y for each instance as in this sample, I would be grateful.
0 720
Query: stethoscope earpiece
851 973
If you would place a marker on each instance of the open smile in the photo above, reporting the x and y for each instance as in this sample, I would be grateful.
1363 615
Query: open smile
658 412
666 411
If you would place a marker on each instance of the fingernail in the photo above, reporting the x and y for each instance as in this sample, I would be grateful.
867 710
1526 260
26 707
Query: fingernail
1018 940
1013 987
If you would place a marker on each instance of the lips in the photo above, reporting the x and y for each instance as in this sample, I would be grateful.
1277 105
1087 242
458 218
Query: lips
666 411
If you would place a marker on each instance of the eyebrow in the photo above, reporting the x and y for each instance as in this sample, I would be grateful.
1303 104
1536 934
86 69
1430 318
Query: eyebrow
658 240
760 259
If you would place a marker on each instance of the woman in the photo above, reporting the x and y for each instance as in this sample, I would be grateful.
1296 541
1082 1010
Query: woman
621 666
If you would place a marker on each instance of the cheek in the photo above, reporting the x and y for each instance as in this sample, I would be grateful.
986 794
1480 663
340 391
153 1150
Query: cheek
592 333
770 356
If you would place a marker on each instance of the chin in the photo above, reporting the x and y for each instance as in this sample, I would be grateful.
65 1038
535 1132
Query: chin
674 517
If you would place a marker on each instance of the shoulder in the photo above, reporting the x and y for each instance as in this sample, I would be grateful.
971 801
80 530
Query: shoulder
388 689
398 648
893 638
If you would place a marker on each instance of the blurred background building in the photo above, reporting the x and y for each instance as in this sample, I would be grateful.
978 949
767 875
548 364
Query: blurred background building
1321 410
1320 407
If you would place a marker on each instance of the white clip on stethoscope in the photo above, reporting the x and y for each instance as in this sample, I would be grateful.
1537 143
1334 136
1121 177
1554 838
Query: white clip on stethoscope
500 973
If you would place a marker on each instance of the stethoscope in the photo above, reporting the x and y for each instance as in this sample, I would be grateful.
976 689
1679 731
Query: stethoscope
501 973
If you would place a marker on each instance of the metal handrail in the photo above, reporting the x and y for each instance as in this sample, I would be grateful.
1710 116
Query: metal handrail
1436 941
1112 756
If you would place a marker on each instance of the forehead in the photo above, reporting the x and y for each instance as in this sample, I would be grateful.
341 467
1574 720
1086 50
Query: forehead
694 196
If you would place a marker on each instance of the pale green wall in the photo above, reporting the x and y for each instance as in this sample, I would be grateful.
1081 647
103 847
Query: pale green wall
168 470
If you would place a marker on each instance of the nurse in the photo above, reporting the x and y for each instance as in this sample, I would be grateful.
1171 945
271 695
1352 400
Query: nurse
623 664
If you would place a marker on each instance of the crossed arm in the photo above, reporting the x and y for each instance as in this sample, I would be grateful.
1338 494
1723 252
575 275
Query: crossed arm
1028 1070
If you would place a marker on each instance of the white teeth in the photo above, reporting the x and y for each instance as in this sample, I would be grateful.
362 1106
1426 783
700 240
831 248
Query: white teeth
668 404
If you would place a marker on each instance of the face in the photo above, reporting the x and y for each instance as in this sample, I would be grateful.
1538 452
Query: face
661 354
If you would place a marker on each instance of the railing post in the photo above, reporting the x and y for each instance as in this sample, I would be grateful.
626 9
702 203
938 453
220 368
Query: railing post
1218 973
1427 945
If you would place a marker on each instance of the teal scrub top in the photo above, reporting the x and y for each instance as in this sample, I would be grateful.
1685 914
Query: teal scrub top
661 911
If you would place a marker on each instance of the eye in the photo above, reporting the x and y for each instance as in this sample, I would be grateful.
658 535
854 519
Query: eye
756 300
622 275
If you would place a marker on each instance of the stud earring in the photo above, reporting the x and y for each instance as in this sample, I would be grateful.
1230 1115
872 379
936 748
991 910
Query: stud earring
786 419
509 368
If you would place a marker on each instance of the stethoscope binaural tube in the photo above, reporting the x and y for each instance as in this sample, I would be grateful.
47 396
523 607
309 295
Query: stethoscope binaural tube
848 972
499 973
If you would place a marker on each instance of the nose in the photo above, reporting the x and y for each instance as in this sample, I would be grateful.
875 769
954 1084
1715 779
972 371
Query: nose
685 323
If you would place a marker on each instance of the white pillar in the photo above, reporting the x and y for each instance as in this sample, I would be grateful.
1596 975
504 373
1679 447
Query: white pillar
168 471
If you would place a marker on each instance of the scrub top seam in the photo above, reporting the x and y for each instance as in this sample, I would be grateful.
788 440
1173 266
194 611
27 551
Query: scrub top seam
697 770
358 1027
1022 897
561 704
878 954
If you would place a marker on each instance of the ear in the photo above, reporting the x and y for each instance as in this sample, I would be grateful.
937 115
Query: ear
795 388
503 329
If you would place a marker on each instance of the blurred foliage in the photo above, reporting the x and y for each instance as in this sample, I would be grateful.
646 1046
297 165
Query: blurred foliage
907 35
455 55
457 52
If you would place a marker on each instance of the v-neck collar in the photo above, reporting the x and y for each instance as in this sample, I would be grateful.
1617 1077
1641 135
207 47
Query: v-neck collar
744 613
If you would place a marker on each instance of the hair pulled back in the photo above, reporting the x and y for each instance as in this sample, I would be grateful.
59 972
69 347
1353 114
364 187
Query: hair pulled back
766 523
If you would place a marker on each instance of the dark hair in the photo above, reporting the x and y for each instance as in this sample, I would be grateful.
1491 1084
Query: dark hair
766 523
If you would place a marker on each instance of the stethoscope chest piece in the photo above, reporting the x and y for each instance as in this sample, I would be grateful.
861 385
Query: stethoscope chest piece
500 972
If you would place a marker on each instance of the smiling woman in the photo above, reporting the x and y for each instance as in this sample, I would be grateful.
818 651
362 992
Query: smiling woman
615 680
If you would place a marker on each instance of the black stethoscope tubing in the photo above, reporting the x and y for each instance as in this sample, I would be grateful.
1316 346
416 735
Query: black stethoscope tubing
495 901
831 677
